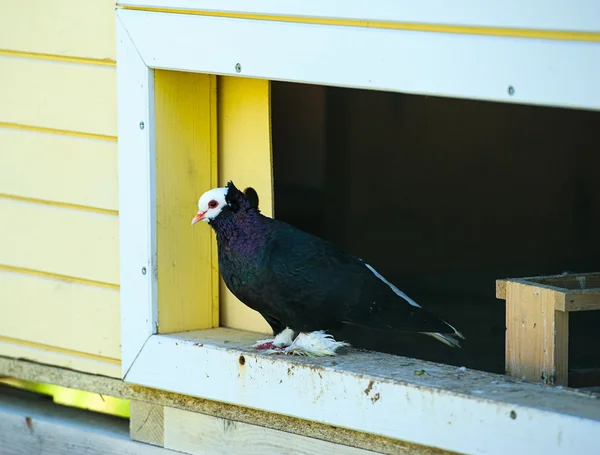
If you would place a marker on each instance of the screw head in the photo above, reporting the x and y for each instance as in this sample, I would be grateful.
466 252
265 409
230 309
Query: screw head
143 270
511 90
142 126
238 68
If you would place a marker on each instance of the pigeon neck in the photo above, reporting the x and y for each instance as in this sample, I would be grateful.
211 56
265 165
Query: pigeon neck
240 225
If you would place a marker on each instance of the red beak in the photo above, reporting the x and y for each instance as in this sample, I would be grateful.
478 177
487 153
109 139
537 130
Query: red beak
199 217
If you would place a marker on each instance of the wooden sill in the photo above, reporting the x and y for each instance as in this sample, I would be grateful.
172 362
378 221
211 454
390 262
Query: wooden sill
373 401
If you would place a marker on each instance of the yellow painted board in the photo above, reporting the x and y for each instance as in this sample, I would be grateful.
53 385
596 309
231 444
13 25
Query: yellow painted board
59 168
64 96
244 108
49 355
59 240
186 142
54 312
186 149
72 28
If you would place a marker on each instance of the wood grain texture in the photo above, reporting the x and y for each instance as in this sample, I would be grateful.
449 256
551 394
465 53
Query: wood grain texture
245 158
34 425
200 434
58 240
61 27
147 423
536 335
584 300
58 95
59 168
186 153
59 313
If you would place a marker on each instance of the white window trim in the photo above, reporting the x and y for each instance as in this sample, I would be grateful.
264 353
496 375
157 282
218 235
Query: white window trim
440 413
563 15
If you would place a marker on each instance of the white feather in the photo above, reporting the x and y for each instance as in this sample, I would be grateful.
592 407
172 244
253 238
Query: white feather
313 344
444 338
394 288
282 340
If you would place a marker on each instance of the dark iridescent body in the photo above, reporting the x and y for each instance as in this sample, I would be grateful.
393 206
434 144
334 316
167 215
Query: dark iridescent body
296 280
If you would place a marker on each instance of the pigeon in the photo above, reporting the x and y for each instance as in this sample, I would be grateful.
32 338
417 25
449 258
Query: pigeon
303 285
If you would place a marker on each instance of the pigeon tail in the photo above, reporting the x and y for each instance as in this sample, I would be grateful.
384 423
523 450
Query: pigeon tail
447 338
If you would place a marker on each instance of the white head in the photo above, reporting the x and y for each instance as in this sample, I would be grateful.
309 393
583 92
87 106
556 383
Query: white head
210 205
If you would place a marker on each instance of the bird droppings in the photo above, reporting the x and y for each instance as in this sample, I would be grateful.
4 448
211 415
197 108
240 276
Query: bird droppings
421 373
369 387
513 415
375 398
242 360
264 346
198 345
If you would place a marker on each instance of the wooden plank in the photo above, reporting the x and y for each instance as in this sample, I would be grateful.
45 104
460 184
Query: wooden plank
199 434
501 289
516 70
501 389
147 423
58 358
58 95
245 157
61 27
74 316
585 300
137 199
33 424
536 335
570 281
58 168
186 154
564 15
59 240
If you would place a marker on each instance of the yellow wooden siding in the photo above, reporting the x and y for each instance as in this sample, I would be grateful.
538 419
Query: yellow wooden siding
51 355
60 313
59 240
186 143
63 169
73 28
244 114
63 96
59 258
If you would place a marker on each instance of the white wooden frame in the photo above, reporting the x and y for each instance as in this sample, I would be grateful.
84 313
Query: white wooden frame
545 72
563 15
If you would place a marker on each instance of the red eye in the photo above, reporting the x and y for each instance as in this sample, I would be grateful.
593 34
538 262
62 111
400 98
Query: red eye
213 204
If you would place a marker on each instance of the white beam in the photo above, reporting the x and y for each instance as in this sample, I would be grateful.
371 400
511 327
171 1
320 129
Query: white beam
567 15
463 411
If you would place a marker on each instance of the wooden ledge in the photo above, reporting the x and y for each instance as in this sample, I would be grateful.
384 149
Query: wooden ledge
571 292
386 395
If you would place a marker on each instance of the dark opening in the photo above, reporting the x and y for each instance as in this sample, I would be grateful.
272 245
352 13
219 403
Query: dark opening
444 196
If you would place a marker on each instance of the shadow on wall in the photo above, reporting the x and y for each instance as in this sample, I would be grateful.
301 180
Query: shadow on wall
443 196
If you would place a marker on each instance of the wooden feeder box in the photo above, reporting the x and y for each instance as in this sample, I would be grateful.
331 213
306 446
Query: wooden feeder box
537 322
